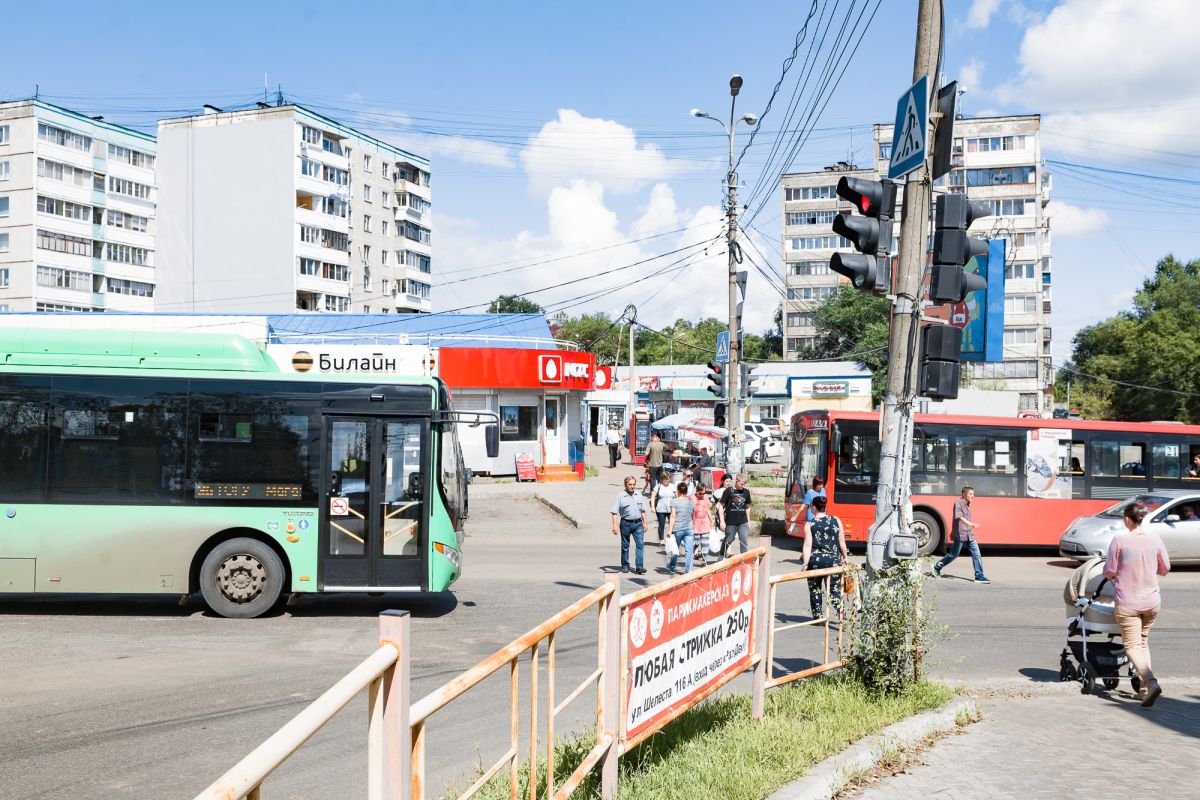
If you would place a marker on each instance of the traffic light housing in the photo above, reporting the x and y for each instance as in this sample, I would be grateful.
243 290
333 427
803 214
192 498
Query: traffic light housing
747 383
870 231
716 379
953 248
719 415
941 350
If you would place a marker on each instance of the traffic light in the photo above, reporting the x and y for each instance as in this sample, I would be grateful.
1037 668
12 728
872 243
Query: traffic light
953 248
719 415
747 382
949 282
716 378
870 231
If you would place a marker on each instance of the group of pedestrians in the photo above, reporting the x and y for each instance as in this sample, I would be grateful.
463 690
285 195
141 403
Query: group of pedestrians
687 513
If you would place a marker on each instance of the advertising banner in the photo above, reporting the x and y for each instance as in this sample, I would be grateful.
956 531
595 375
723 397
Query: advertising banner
684 641
1043 447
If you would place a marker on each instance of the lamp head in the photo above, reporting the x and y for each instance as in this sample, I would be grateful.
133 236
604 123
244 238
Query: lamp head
695 112
735 85
749 119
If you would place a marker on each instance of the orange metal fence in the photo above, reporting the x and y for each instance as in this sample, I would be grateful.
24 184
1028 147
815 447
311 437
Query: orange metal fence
396 731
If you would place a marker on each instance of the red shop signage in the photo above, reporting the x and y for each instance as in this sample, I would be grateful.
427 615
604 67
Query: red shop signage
507 368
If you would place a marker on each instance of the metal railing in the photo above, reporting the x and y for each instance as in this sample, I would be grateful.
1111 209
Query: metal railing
607 701
826 575
396 730
385 674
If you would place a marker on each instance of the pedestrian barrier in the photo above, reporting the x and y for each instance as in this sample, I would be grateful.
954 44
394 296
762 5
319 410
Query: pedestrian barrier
826 574
659 651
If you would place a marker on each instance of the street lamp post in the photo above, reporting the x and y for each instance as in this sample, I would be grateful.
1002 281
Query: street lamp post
733 453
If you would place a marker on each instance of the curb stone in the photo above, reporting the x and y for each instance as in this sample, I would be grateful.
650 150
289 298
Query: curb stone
574 523
827 778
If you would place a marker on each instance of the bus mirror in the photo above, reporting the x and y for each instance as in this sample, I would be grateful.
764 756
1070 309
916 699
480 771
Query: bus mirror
837 440
491 435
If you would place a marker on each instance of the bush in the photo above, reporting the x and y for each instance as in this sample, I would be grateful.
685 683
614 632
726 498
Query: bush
893 630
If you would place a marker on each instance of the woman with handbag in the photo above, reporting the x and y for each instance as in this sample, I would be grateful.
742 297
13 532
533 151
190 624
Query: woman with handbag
824 546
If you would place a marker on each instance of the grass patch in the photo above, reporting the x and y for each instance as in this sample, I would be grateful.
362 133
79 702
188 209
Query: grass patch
717 746
590 471
765 482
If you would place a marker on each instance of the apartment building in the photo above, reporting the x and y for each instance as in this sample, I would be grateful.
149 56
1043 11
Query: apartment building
279 209
997 160
77 212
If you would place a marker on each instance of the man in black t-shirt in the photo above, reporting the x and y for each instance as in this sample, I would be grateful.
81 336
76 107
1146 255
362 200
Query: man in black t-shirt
735 511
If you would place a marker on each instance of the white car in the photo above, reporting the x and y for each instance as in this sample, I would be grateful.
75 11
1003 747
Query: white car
759 429
757 449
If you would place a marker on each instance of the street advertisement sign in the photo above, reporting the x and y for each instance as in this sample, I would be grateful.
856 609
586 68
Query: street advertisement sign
684 642
526 470
981 316
1044 450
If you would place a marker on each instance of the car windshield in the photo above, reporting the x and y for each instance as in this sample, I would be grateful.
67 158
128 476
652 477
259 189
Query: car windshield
1153 503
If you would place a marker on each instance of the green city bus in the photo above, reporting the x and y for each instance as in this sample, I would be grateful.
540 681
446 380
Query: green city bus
172 463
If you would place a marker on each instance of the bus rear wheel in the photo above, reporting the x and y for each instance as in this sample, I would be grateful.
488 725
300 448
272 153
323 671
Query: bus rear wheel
928 533
241 578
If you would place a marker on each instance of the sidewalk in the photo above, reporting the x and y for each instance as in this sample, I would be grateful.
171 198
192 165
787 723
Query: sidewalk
1056 743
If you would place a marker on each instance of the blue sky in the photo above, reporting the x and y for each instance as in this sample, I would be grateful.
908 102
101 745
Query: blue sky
561 129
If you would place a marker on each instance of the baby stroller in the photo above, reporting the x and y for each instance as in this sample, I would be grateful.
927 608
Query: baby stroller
1097 653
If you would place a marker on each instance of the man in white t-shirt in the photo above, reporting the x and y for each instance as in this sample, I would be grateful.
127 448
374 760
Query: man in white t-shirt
612 438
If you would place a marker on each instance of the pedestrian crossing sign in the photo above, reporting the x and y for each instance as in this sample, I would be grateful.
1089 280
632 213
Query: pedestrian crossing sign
723 346
909 136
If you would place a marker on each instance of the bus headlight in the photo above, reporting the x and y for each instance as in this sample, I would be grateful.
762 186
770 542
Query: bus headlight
452 555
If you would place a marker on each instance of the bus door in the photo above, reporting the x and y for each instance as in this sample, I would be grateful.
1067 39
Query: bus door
375 498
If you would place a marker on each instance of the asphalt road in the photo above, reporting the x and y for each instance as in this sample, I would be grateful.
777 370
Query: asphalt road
141 698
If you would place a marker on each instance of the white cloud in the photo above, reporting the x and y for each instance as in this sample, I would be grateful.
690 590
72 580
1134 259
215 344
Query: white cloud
1069 220
464 150
970 78
980 14
574 146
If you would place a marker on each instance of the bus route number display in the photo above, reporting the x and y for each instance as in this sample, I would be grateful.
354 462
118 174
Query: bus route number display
248 491
685 641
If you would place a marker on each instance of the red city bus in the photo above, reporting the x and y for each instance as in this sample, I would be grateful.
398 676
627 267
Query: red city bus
1032 477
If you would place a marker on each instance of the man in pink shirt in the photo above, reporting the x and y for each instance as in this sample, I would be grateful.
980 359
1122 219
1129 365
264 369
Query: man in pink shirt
1135 560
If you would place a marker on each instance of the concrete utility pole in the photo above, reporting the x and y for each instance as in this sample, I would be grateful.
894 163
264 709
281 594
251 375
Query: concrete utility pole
632 311
733 449
893 503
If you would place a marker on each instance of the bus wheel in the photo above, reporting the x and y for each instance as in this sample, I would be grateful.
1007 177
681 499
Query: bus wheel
928 533
241 578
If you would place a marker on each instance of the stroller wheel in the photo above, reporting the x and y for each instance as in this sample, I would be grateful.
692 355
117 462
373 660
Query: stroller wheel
1087 679
1111 683
1066 671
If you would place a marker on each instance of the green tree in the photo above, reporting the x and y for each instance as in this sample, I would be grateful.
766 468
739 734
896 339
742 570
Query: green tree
514 304
595 333
853 325
1144 363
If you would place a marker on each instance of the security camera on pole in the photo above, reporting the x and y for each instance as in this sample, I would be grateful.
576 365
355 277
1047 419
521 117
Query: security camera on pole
737 283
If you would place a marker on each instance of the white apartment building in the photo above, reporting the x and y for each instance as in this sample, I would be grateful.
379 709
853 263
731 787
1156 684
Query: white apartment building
278 209
996 160
77 212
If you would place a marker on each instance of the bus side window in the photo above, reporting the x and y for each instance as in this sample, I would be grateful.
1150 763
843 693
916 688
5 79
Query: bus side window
1192 470
1117 459
1166 458
930 463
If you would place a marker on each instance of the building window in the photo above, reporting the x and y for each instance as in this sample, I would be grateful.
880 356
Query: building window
811 193
4 276
385 287
990 370
309 266
128 187
58 278
799 320
62 138
3 206
1019 271
134 157
132 222
310 135
366 224
310 168
817 242
1015 336
63 172
335 303
366 192
415 232
61 307
366 163
4 170
134 288
518 423
3 242
3 134
1020 304
383 257
384 200
990 144
802 268
61 243
384 228
811 217
418 289
993 176
366 309
63 208
338 177
125 254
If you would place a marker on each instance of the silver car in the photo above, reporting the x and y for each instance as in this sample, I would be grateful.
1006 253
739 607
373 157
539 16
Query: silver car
1174 516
